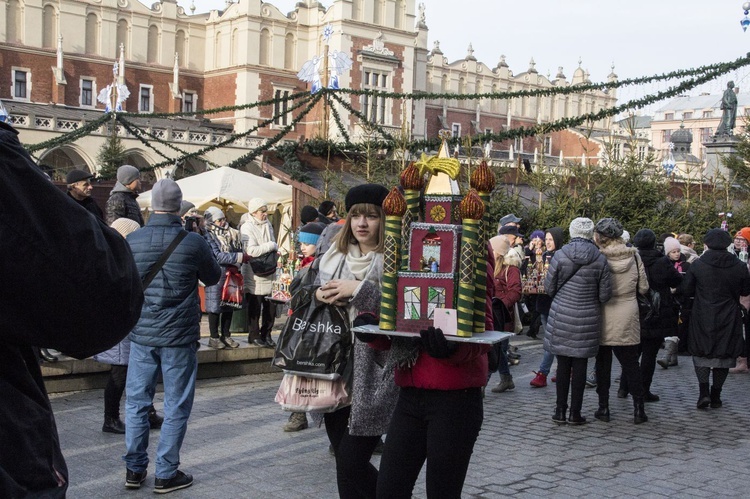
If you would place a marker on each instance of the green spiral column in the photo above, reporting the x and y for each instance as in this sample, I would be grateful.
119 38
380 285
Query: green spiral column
391 257
394 207
480 269
466 277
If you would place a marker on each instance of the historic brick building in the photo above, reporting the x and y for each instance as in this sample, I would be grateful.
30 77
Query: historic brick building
56 56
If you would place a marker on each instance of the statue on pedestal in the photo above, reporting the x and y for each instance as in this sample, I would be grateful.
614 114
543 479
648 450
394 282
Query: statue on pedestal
729 111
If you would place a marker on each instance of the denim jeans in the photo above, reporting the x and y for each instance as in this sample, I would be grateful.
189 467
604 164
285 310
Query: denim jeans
178 366
546 366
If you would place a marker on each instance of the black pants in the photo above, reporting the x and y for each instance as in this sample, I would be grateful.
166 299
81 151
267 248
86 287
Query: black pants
356 477
649 349
225 318
575 384
261 314
628 357
114 390
436 426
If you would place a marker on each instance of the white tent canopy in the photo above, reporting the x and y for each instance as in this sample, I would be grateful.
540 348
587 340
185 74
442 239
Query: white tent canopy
228 186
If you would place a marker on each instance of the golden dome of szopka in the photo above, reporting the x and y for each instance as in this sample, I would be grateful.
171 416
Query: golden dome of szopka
411 179
471 206
394 203
482 179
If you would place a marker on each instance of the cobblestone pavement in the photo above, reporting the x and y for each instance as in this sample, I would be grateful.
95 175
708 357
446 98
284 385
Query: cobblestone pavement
235 447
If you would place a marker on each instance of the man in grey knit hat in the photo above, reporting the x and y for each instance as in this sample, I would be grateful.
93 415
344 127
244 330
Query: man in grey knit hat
121 202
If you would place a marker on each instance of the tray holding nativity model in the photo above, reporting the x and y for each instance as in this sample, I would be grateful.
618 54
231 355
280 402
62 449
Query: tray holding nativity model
486 338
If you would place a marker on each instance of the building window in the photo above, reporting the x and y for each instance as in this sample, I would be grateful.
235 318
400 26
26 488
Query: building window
548 145
518 144
687 115
189 101
708 114
87 92
706 134
641 153
20 84
456 129
666 136
668 116
374 107
145 99
280 107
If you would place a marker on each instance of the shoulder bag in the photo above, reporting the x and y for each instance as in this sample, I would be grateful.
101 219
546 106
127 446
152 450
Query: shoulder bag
163 259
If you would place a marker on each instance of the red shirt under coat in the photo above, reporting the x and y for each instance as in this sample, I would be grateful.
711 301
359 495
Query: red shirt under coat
466 368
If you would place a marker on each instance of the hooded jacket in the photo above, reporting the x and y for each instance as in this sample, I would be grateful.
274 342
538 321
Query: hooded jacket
621 324
717 280
122 204
578 282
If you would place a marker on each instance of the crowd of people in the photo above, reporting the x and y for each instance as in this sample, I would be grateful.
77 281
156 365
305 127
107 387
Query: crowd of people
594 304
597 296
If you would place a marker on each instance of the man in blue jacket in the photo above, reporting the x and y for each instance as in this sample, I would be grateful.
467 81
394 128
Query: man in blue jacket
165 339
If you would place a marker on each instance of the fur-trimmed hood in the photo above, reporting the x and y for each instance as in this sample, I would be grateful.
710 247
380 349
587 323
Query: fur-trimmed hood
619 257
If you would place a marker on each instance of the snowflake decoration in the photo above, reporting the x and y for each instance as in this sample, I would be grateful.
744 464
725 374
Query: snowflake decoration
327 32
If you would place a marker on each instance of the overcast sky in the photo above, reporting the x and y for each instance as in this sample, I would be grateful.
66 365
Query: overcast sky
641 37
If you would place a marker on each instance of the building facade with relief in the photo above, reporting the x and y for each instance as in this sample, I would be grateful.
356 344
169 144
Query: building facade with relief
56 56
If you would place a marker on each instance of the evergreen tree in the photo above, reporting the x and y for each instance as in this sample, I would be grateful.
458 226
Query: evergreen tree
111 156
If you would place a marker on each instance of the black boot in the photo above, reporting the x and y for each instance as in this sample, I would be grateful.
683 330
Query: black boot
602 414
703 399
639 415
715 397
576 418
650 397
559 416
113 425
154 420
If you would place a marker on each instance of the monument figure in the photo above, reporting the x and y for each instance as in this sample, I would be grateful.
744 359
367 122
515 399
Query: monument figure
729 111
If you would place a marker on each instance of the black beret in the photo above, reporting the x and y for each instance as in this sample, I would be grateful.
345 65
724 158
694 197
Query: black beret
609 227
308 214
74 176
366 193
326 207
645 239
717 239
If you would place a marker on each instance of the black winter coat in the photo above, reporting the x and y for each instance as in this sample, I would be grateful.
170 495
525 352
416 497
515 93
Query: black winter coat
661 277
122 204
69 283
716 280
90 205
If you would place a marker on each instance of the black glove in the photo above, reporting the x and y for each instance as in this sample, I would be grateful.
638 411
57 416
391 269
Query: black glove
435 344
363 319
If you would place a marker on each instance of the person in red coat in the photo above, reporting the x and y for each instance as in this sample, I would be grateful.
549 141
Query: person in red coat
439 411
506 292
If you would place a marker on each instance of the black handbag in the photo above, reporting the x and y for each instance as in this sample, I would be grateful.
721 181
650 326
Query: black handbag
648 303
265 264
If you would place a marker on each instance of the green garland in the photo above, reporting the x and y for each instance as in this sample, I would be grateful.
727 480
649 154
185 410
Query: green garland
137 133
339 123
363 118
565 123
700 75
722 68
224 109
160 141
270 142
234 137
70 136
